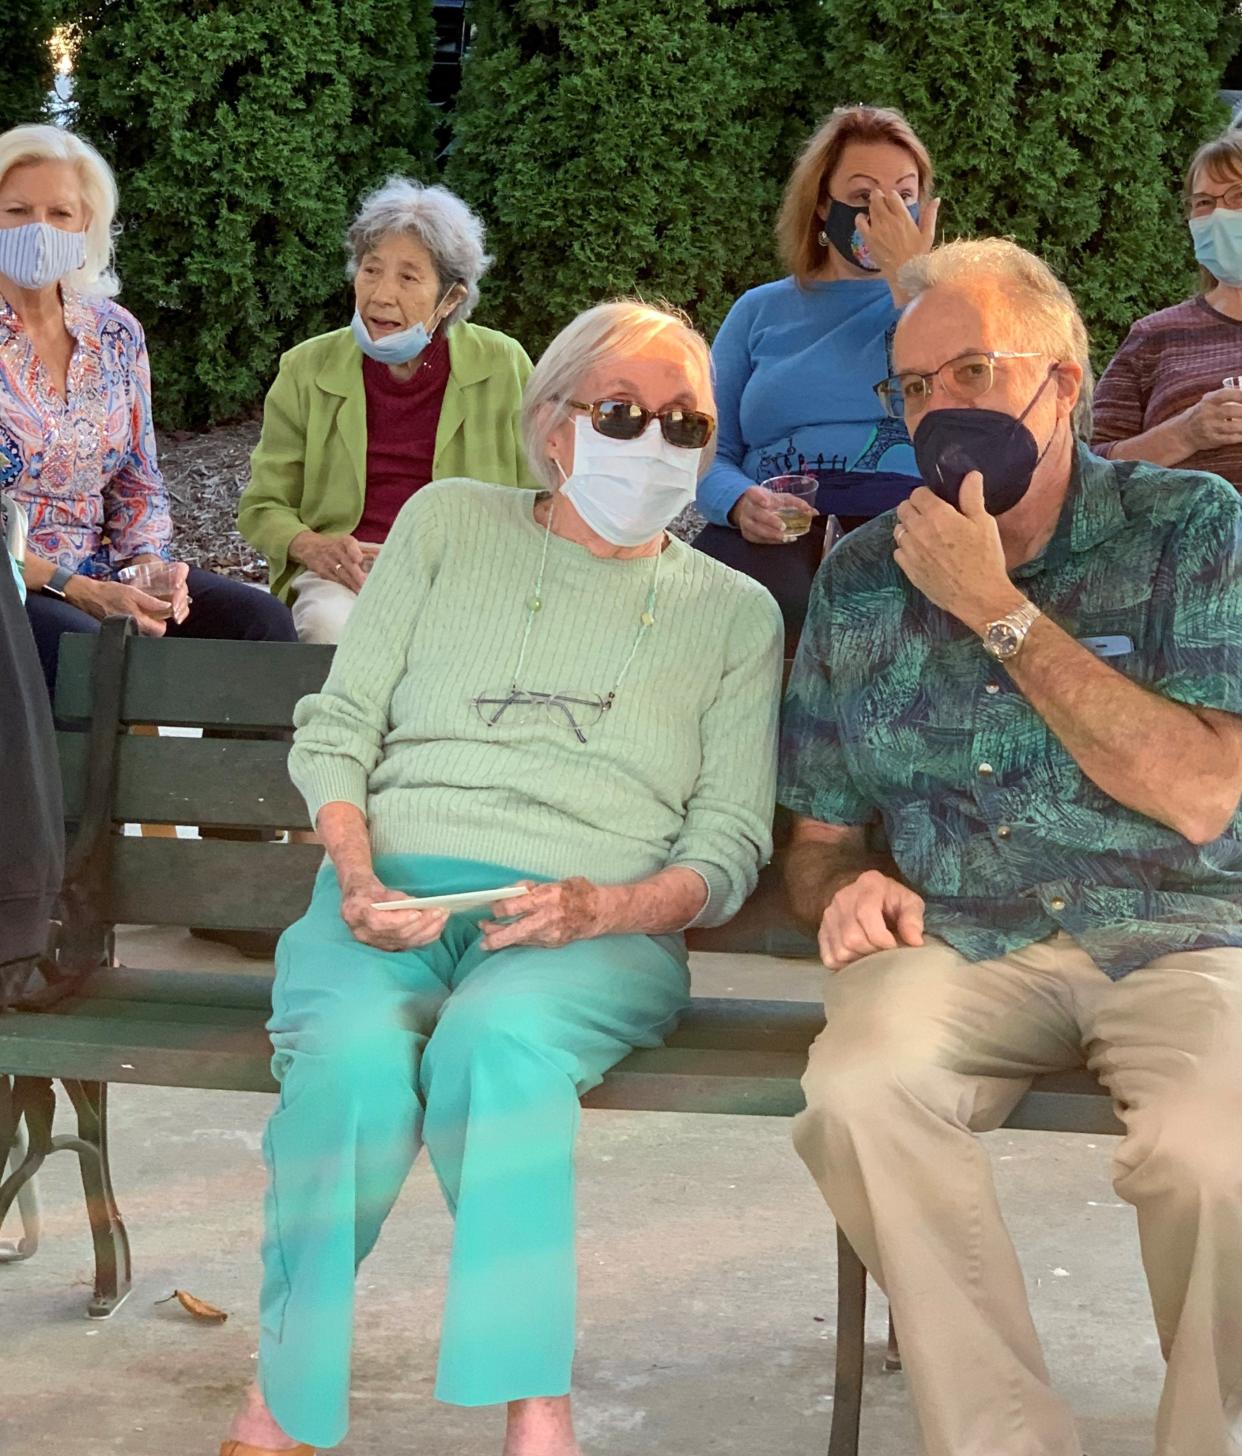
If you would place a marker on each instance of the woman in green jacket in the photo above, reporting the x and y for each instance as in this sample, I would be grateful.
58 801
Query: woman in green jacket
360 419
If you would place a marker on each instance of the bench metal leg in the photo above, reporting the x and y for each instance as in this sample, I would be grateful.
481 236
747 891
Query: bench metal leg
892 1357
851 1338
13 1152
32 1099
113 1270
28 1099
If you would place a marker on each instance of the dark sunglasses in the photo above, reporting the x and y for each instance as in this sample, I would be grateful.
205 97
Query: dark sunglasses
622 419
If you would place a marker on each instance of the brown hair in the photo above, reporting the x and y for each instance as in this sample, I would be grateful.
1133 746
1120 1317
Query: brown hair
797 228
1222 159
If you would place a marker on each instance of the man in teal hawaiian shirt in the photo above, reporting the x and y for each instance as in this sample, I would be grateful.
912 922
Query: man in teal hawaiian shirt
1014 746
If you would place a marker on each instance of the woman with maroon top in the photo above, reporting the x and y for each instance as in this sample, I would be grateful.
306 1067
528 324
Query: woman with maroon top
1172 393
360 419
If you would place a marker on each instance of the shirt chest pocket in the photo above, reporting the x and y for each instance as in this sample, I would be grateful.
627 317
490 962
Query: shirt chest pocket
1114 600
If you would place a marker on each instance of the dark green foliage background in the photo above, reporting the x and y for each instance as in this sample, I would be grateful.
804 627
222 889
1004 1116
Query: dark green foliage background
25 61
611 146
243 133
621 146
1066 126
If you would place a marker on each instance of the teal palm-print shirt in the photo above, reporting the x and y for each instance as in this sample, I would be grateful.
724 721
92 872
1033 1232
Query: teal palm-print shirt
896 717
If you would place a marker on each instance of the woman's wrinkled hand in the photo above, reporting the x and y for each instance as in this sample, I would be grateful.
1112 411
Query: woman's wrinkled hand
1215 420
100 599
335 558
386 929
754 514
548 915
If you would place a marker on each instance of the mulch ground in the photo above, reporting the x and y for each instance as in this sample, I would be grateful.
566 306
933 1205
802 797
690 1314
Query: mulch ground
206 473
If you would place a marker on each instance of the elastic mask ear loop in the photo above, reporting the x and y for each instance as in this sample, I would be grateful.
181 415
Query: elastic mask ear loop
1051 371
448 293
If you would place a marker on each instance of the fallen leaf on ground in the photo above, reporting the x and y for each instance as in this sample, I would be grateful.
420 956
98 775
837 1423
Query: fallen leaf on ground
199 1308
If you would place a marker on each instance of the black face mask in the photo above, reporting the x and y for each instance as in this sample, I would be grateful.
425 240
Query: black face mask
950 443
841 232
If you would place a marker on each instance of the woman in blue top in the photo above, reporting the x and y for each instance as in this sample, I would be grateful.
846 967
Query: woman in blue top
796 360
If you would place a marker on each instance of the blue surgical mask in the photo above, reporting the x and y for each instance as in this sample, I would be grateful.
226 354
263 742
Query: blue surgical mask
36 253
407 344
1218 244
398 348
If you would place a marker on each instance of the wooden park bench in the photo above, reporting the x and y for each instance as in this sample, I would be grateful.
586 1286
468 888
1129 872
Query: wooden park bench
206 1029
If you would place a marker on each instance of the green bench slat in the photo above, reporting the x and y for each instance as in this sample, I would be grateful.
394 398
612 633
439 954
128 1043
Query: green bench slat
211 882
205 1029
165 1054
191 781
198 684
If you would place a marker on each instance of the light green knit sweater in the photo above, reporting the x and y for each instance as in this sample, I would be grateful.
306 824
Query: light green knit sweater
680 771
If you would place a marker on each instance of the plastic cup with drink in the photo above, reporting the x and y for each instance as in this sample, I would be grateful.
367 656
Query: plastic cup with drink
795 502
164 580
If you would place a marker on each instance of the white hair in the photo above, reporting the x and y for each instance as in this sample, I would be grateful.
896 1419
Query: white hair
1048 316
601 334
22 145
440 220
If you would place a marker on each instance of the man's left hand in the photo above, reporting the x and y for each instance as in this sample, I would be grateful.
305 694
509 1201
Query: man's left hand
546 915
955 556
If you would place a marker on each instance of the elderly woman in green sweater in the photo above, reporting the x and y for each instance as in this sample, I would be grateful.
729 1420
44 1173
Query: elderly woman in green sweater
544 695
360 419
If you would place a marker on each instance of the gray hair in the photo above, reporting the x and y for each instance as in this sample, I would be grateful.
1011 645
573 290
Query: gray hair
440 220
600 334
1049 316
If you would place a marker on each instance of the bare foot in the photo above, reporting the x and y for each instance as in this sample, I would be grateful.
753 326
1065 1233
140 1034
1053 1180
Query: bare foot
253 1425
541 1427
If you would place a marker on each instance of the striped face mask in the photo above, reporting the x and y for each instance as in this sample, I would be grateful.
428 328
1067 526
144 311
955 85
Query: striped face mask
36 254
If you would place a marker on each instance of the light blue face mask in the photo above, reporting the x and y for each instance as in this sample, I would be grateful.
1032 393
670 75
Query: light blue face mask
36 253
403 346
1218 244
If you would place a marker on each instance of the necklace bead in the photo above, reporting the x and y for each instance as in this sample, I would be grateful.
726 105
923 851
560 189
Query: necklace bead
647 619
534 604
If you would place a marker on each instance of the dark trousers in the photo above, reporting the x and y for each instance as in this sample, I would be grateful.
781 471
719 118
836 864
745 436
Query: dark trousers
788 569
222 608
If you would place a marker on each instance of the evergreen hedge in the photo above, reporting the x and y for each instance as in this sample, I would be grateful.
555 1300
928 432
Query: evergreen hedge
622 146
25 29
243 133
1067 126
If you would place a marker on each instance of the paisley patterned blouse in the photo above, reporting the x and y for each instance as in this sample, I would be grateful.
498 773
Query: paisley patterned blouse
83 468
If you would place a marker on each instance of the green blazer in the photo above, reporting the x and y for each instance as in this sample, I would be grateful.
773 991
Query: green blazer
309 468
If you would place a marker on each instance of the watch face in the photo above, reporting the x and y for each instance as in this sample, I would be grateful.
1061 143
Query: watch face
1001 640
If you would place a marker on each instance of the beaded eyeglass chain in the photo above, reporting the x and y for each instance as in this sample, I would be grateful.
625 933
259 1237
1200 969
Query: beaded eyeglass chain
534 605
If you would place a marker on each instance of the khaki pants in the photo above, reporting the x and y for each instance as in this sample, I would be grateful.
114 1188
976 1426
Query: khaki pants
922 1049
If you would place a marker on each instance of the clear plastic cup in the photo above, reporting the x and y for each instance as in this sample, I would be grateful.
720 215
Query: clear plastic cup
796 503
157 578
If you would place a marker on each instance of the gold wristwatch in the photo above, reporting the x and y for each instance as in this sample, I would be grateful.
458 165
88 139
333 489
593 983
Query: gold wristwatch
1003 638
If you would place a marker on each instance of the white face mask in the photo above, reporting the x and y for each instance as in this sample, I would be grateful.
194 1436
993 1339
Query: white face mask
627 491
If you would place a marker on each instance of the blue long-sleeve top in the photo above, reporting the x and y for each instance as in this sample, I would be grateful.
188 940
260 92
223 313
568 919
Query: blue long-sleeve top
795 369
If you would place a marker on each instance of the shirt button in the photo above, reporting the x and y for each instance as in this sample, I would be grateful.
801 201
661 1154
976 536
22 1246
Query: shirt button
992 688
1056 903
1003 831
985 770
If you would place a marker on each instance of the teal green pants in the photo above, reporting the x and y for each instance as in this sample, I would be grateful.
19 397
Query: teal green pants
479 1055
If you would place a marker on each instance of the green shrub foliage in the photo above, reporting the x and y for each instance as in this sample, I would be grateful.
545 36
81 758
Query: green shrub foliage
25 61
243 133
1065 126
621 146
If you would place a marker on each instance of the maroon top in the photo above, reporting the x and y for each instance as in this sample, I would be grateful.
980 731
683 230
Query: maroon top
1168 362
402 417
